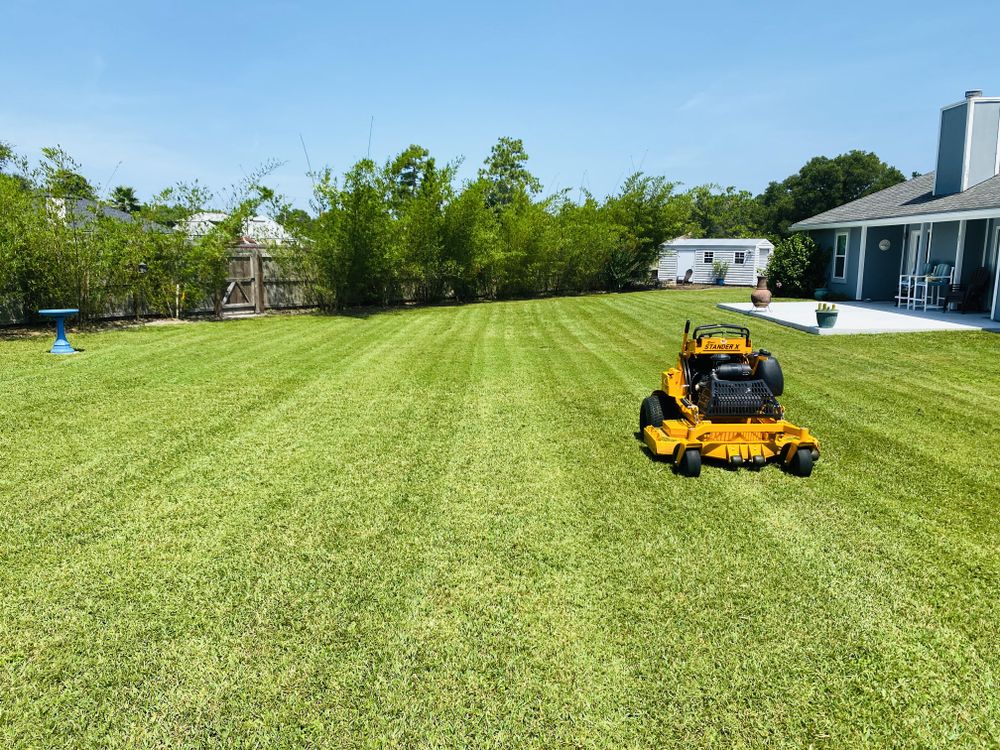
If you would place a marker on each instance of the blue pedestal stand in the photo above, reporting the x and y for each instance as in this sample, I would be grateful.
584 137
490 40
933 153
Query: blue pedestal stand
62 346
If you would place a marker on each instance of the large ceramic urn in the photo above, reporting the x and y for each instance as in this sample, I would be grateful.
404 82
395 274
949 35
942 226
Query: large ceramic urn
761 296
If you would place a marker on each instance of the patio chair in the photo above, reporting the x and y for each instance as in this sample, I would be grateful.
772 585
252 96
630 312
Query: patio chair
907 282
938 281
687 276
970 297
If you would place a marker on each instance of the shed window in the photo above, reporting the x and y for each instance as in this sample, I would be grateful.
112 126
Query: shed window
709 256
739 257
840 257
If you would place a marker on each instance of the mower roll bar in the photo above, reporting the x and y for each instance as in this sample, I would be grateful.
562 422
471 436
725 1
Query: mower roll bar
711 329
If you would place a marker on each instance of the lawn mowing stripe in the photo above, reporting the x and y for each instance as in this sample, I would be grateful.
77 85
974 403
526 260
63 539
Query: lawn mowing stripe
132 461
796 480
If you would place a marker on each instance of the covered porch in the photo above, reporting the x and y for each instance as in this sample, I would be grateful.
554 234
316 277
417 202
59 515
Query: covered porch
882 260
866 317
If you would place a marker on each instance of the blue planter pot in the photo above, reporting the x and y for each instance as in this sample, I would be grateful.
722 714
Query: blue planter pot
720 282
821 294
826 318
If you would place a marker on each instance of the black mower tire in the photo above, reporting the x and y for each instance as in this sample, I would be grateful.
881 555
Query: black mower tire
801 464
651 412
689 463
769 370
668 407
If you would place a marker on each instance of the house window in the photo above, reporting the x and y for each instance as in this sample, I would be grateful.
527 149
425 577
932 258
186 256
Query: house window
709 256
840 257
739 257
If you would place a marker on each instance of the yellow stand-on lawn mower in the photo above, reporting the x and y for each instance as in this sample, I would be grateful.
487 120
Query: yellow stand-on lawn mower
719 402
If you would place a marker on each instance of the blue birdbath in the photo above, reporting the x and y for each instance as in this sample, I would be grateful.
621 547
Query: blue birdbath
62 346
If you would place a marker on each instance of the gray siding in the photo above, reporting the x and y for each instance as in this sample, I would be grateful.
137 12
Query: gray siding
975 239
881 276
944 242
983 151
666 271
951 150
744 274
825 239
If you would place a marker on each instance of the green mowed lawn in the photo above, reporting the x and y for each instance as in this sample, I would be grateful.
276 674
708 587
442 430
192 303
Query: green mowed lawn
436 527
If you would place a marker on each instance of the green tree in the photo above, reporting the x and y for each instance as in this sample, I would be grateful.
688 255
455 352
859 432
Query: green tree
348 240
173 205
292 219
585 240
470 236
725 213
650 212
6 154
797 266
61 175
505 171
406 172
124 199
822 184
418 191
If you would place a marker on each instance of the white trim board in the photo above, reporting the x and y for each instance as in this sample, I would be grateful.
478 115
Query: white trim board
932 218
847 254
861 261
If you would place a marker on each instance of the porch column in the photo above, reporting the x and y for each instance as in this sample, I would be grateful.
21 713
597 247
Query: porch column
861 261
959 251
995 312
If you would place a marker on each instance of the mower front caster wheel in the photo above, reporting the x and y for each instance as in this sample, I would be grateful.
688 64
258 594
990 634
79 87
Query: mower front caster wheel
801 464
689 463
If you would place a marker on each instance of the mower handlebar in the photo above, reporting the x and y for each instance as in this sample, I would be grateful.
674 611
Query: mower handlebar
721 328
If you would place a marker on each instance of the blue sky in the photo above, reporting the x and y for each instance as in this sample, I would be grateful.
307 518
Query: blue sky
735 93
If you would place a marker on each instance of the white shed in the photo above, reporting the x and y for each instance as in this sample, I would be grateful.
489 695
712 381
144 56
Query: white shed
743 256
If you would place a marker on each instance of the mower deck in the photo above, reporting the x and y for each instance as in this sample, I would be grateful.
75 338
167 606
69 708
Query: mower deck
749 441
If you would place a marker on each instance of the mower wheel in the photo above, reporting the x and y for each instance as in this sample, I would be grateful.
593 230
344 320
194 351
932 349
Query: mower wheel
651 412
801 464
668 407
690 463
769 371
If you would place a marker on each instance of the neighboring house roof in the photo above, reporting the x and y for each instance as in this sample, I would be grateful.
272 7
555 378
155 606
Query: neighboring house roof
683 242
910 199
79 212
260 228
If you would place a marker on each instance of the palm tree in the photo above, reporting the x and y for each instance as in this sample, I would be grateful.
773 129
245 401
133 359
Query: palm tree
124 198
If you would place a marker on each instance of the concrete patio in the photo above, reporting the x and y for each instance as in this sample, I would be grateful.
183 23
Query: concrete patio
866 317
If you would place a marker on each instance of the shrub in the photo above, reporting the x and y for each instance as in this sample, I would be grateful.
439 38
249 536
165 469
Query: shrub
797 267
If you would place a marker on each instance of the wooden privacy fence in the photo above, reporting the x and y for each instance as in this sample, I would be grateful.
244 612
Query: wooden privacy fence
256 282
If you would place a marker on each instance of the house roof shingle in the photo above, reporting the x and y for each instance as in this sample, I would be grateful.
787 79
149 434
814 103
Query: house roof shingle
912 198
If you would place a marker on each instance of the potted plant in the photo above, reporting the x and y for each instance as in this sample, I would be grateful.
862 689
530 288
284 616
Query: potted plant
826 315
720 269
761 296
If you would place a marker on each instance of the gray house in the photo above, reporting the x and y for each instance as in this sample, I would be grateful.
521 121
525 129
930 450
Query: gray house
951 215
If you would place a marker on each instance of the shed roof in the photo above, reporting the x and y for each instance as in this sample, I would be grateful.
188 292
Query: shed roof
913 198
682 242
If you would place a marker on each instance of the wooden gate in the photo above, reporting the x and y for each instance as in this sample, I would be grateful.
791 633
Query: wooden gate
244 292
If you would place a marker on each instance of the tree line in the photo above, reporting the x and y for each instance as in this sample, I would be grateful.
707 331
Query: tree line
405 229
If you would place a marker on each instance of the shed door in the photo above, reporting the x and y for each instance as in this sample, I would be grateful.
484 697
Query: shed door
685 261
